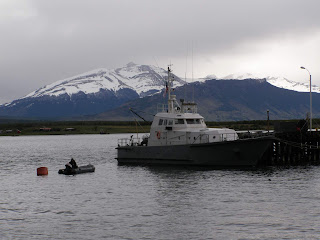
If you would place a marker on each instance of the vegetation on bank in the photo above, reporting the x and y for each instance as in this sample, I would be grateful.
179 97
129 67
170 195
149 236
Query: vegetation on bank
108 127
74 127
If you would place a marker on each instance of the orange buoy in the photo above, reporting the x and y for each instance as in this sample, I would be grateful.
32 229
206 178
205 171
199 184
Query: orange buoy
42 171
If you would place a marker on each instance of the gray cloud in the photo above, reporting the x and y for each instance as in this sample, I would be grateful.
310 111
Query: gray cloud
44 41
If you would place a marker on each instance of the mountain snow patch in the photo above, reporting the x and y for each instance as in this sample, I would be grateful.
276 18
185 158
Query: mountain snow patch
140 78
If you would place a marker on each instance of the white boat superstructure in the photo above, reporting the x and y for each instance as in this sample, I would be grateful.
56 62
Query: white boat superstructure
185 128
177 124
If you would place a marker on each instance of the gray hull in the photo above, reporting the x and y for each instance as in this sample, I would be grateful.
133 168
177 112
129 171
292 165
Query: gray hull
239 153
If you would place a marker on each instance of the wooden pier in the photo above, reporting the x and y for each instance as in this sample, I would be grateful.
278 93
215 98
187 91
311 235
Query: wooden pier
292 148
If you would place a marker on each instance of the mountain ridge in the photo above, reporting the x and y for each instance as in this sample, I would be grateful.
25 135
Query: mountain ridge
231 100
103 90
89 93
280 82
140 78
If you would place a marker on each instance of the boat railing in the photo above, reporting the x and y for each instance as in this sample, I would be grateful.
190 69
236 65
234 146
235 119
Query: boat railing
254 133
204 138
162 107
129 142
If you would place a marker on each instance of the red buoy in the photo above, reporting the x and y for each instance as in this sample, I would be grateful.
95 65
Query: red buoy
42 171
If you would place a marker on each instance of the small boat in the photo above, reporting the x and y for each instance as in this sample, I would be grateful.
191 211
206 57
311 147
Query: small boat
78 170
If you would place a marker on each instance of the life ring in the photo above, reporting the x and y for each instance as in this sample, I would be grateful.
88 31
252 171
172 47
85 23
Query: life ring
158 134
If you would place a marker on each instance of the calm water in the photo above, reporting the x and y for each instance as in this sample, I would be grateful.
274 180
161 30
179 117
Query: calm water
121 202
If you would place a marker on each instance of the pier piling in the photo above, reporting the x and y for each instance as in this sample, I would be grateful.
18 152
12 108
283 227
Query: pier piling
293 149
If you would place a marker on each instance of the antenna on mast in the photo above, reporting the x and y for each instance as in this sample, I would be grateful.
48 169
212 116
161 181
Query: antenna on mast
185 75
192 75
169 76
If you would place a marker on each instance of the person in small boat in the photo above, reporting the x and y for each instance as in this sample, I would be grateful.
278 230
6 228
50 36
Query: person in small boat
71 165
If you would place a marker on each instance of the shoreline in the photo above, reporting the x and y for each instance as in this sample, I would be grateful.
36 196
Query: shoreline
106 127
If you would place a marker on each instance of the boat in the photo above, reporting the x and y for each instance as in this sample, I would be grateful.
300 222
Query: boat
78 170
179 136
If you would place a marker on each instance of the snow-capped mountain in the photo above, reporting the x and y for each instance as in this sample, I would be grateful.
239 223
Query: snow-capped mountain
279 82
103 90
143 79
90 93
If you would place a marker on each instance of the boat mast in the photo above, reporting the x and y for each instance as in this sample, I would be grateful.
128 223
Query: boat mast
169 83
172 101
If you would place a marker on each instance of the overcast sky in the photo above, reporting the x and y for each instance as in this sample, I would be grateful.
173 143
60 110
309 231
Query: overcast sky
44 41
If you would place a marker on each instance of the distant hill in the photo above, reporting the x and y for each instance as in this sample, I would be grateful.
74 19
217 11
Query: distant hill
227 101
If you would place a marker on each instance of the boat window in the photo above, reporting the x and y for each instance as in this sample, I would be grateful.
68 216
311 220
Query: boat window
170 122
190 121
178 121
165 122
194 121
160 121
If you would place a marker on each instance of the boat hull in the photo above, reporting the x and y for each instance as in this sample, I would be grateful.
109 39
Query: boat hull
79 170
239 153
